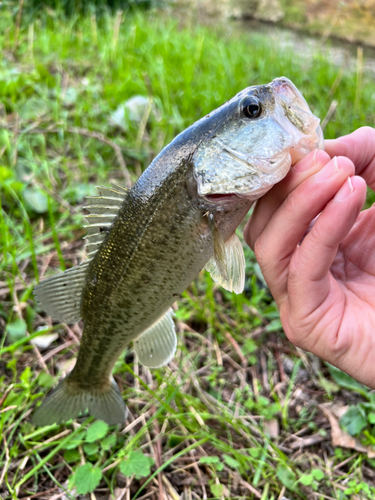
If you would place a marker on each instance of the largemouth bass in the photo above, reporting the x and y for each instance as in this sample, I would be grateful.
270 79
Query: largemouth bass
146 244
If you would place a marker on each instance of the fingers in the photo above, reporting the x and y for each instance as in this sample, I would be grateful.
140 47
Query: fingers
360 242
271 201
308 278
287 226
360 148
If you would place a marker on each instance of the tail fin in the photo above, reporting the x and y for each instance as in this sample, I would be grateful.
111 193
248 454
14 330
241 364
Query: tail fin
69 400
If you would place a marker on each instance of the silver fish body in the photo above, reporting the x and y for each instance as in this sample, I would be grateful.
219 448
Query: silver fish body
148 243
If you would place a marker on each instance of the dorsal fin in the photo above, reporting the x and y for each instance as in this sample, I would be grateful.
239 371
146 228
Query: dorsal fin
120 189
101 218
107 200
102 210
114 190
60 295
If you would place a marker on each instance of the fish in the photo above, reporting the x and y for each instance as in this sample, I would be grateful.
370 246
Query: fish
146 244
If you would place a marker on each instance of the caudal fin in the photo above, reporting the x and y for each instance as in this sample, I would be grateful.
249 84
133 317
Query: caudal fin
69 400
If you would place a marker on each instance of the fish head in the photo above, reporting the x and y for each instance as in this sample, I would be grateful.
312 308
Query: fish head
256 137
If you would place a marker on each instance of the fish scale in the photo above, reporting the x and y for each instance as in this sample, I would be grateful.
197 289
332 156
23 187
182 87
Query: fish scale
134 285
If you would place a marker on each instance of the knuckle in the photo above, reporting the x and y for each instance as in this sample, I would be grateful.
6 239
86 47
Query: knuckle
318 237
368 130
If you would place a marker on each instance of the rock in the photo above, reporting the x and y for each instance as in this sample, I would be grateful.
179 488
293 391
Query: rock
132 110
44 341
269 10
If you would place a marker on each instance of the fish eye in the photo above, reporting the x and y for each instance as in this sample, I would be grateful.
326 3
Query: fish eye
251 107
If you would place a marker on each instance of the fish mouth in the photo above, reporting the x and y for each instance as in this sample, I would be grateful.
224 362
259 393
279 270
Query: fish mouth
225 198
220 198
246 162
300 116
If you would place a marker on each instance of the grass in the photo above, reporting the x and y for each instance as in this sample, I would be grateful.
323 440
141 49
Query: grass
238 413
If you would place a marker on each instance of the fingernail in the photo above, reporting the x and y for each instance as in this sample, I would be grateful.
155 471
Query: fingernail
330 169
306 163
345 191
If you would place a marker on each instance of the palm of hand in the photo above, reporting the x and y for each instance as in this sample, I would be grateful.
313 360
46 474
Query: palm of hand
342 328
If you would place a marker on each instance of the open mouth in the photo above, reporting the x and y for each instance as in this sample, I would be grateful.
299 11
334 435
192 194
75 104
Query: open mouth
217 198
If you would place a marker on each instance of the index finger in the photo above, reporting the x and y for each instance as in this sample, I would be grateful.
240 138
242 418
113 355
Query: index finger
359 146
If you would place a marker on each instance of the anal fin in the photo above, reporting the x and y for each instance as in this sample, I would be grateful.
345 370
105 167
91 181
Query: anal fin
233 276
157 345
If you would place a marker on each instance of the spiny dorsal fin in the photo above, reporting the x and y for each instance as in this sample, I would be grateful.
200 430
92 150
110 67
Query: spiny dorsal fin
234 277
60 295
116 190
102 210
101 218
104 200
120 189
157 345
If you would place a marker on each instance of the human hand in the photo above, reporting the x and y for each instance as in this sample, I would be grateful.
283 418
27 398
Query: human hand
325 286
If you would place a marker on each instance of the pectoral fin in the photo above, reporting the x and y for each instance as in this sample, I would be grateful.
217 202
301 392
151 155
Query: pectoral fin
157 345
233 276
220 255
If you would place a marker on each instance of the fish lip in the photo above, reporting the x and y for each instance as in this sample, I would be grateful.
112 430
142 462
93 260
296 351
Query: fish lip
256 193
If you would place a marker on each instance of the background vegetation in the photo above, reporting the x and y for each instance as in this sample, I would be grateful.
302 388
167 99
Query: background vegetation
33 8
239 413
